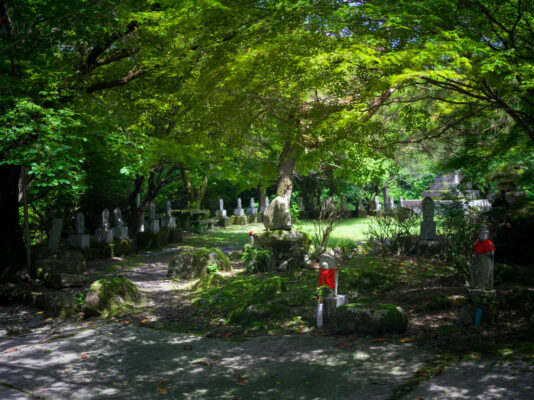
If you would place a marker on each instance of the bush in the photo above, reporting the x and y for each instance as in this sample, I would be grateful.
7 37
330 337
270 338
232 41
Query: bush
256 260
393 232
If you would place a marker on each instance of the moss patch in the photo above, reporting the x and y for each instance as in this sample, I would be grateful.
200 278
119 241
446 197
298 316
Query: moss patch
111 296
193 263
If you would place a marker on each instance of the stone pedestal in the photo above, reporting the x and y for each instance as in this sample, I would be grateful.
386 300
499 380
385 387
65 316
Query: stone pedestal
331 304
485 300
251 211
220 213
103 236
120 233
225 221
287 248
80 241
239 212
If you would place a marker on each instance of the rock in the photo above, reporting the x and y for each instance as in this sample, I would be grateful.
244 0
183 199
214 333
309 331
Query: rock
68 261
193 263
288 248
367 318
277 215
57 302
111 296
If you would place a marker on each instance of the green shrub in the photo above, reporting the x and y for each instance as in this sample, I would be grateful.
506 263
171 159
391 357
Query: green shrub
256 260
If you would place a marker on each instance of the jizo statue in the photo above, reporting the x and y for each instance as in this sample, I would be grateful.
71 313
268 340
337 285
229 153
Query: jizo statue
482 264
328 272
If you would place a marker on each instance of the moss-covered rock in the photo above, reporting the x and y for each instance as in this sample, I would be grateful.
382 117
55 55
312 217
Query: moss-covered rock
367 318
193 262
111 296
67 261
208 282
239 220
288 248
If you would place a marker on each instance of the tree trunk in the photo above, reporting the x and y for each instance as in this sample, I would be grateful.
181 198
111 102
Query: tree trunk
286 167
11 243
196 194
136 209
261 192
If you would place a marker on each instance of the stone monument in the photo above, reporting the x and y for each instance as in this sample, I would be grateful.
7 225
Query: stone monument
428 226
55 235
391 203
265 205
104 234
401 202
153 223
221 212
378 206
277 216
239 212
80 240
252 209
120 232
168 222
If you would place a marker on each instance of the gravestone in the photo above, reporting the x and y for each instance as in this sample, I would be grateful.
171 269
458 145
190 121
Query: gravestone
120 232
168 222
221 212
104 234
252 209
153 223
277 216
239 212
141 227
391 203
265 205
401 202
79 240
362 212
428 226
55 235
378 206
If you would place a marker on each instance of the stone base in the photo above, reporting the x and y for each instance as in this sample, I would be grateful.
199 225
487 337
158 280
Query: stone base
288 248
428 230
251 211
152 240
168 223
366 318
239 212
330 306
80 241
252 218
120 233
225 222
239 220
102 236
153 226
220 213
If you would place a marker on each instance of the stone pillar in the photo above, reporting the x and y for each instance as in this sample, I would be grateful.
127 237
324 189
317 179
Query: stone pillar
153 223
120 232
221 212
55 235
252 209
104 234
80 240
239 212
428 226
169 222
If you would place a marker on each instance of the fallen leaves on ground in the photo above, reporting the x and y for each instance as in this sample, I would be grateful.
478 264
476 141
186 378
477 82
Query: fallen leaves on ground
343 345
188 347
11 350
85 382
422 372
163 391
202 361
161 382
406 340
224 334
380 340
84 356
241 382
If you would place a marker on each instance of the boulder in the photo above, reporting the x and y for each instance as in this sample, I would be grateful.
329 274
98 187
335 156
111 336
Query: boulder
277 216
193 263
111 296
381 318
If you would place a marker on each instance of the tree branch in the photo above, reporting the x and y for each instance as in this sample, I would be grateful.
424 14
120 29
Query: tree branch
117 82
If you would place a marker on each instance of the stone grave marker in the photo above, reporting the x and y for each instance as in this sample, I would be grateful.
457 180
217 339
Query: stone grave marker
378 206
428 225
168 222
153 223
265 205
221 212
401 202
55 235
391 203
79 240
328 266
239 212
120 232
104 234
252 209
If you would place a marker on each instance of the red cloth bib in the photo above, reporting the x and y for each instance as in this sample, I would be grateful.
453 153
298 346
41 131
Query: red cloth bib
485 246
327 277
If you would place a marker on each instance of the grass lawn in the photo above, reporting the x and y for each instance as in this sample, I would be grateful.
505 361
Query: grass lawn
349 231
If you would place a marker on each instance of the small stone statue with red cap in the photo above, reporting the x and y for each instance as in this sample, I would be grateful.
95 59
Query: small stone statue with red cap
482 265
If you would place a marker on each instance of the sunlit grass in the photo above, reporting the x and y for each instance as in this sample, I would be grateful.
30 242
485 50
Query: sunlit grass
348 231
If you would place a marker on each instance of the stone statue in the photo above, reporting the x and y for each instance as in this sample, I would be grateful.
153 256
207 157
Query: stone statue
277 215
328 272
482 263
168 209
118 218
80 223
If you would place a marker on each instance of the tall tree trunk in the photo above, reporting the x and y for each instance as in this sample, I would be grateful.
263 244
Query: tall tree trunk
386 197
196 194
261 193
11 243
286 167
135 209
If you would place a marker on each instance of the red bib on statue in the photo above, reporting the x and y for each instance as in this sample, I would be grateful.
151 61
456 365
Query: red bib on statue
485 246
327 277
